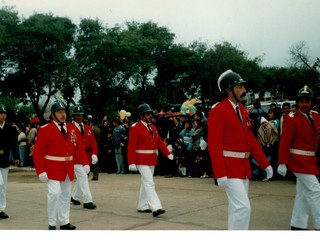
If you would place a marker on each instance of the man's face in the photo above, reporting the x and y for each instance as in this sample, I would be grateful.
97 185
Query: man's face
61 115
305 104
3 117
78 118
286 110
240 93
147 117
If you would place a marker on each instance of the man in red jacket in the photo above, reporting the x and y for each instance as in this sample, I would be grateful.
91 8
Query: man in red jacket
55 148
230 143
144 142
298 146
81 187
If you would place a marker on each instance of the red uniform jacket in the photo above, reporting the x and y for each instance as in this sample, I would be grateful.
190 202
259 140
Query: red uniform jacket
141 139
297 133
227 133
89 143
51 143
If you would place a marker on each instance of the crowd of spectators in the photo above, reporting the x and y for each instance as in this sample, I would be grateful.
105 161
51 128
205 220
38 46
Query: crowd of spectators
184 135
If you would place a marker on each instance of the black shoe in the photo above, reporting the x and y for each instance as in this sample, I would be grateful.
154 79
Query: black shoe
52 227
68 226
94 179
158 212
3 215
145 211
296 228
89 205
75 202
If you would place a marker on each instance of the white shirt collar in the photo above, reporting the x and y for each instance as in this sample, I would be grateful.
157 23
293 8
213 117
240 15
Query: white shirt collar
234 105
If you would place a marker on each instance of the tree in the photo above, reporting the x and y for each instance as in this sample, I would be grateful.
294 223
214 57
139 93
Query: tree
39 56
307 71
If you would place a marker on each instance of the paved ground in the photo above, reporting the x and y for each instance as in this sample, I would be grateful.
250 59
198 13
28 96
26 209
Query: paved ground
191 204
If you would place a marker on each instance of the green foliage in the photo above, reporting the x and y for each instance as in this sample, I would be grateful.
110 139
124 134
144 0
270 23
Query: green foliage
43 58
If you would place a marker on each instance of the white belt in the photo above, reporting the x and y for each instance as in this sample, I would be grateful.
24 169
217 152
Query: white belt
154 151
236 154
302 152
55 158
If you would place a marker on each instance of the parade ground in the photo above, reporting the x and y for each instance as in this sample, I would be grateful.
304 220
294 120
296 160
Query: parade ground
193 206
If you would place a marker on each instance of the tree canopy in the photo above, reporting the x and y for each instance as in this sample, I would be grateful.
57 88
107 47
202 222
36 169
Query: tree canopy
45 57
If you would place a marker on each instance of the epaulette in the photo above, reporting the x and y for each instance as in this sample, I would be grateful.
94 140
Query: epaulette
292 114
314 111
214 105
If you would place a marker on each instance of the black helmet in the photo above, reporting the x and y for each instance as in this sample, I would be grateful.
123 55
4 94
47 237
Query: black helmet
57 106
144 108
77 110
305 92
229 79
2 109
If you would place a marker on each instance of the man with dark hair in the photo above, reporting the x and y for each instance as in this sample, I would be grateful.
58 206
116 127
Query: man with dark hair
298 152
8 143
96 132
144 142
230 143
286 108
81 187
56 146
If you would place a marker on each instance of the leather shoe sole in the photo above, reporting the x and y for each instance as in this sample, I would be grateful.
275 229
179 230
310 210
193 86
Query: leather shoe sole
89 205
68 226
158 212
144 211
75 202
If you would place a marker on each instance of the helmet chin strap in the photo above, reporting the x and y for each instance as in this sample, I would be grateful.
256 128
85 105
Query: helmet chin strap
235 97
57 120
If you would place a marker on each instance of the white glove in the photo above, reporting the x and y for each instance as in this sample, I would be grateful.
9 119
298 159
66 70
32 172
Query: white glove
133 168
1 180
86 169
269 172
282 169
223 182
203 144
94 159
171 156
43 177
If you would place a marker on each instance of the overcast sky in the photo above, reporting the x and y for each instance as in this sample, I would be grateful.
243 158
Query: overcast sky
258 27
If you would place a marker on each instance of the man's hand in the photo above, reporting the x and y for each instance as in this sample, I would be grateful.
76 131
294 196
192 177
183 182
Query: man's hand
171 156
203 144
94 159
282 170
133 168
86 169
43 177
269 172
1 179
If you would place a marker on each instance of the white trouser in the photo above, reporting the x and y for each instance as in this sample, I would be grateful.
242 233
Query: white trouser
81 186
3 188
307 200
239 209
59 194
148 198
